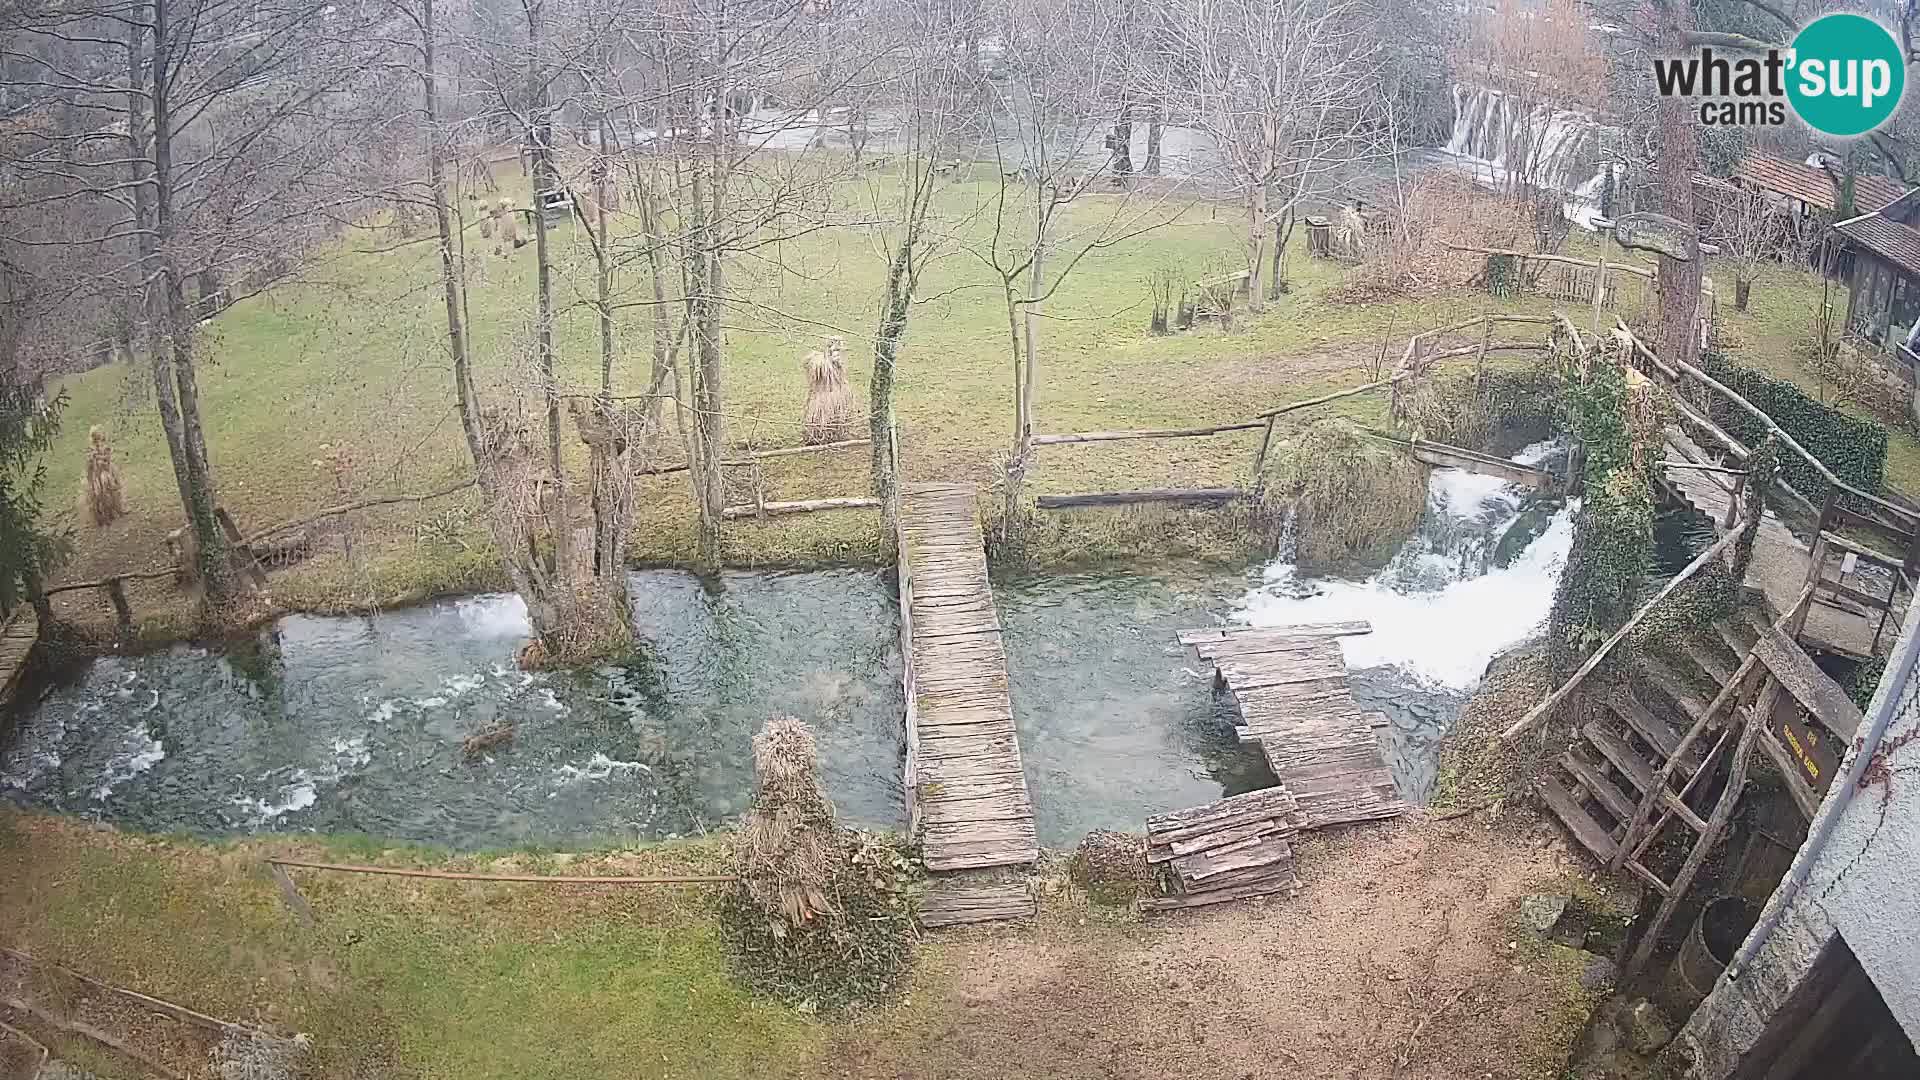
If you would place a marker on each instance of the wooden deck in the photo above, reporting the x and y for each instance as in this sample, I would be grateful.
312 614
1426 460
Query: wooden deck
1290 684
17 639
1780 560
966 791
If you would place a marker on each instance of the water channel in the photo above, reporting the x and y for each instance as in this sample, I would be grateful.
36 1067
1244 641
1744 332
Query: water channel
354 724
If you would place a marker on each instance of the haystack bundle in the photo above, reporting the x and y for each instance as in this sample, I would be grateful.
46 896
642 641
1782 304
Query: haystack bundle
509 223
821 916
106 497
829 415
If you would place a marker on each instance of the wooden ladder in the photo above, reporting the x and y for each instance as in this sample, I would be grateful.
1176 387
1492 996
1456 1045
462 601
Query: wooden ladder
1663 803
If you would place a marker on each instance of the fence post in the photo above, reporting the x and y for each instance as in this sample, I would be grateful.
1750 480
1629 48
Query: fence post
122 611
1480 362
1260 456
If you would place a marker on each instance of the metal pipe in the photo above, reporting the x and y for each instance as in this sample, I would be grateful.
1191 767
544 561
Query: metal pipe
1892 691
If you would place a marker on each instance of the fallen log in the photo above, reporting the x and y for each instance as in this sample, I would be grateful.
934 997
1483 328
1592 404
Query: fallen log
1150 495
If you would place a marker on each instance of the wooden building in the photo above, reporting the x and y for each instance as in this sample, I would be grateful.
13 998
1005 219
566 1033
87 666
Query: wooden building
1883 301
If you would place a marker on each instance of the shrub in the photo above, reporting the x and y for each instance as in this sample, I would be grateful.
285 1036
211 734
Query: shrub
1855 449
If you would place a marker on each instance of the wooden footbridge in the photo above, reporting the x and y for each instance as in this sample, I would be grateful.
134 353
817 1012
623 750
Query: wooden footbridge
966 790
17 638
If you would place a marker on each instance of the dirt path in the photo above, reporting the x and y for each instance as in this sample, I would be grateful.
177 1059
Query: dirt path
1399 928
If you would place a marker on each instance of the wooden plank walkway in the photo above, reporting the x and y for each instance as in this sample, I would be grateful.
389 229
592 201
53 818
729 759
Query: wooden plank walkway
1290 684
966 790
17 639
1780 560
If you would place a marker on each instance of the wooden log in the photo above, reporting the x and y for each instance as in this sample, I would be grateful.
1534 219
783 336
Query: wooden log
1534 714
146 575
1144 433
804 506
534 879
1151 495
1209 634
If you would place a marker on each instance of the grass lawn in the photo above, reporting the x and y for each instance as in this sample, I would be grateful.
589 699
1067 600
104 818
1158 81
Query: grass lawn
351 359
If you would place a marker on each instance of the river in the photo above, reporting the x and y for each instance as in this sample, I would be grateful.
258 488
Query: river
354 724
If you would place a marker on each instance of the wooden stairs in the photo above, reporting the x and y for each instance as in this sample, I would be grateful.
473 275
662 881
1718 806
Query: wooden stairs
1642 761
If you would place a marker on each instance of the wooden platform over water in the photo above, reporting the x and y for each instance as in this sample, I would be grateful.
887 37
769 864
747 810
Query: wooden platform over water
1781 561
17 639
966 790
1290 684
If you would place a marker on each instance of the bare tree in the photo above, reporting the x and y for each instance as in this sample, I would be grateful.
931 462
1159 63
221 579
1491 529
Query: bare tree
1286 92
1054 112
222 136
1753 232
933 81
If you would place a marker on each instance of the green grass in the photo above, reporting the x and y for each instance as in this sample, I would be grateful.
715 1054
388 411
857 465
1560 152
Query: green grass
351 356
409 978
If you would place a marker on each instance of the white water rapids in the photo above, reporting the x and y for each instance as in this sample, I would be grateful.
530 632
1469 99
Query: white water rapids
1442 608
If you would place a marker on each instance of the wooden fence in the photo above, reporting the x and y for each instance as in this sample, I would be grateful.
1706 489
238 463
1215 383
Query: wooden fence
761 507
1422 353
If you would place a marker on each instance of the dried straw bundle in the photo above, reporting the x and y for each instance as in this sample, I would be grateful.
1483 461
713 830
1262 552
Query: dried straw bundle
106 497
829 415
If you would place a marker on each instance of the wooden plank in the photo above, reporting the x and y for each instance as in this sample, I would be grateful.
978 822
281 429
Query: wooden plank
1273 803
1577 820
1604 791
1805 799
952 903
1631 764
1659 734
1280 881
1256 633
1810 686
1250 853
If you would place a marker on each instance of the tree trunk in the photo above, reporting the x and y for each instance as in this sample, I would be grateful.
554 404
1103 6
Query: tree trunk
177 355
1257 245
609 523
1152 166
886 351
704 280
1282 232
1677 288
545 183
453 290
1120 146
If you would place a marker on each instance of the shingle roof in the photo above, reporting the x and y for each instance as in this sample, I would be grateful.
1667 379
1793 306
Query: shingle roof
1813 185
1898 243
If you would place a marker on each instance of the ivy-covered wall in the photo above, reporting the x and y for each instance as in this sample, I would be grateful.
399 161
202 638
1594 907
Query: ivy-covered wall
1855 449
1613 533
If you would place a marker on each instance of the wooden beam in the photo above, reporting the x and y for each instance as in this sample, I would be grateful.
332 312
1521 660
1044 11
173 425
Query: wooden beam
1150 495
1145 433
1534 714
1454 457
804 506
1704 844
1726 696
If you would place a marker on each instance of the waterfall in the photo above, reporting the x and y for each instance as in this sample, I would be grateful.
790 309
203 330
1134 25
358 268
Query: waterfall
1565 146
1477 577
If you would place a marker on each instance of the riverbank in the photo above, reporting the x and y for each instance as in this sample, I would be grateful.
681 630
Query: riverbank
1402 930
330 388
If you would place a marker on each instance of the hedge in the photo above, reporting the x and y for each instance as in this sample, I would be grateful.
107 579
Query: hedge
1855 449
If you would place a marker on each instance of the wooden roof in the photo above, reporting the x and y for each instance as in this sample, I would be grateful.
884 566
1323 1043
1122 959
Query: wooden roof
1814 185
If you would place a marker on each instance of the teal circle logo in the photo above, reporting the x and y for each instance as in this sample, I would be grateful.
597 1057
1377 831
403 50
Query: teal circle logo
1846 75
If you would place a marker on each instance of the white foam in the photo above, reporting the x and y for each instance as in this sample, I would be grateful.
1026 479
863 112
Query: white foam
295 795
1427 618
496 615
599 767
352 752
142 752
